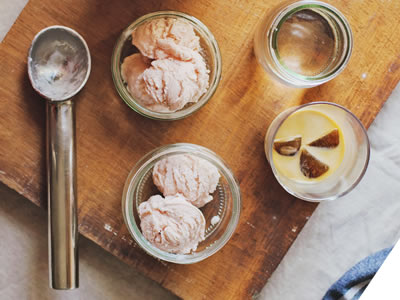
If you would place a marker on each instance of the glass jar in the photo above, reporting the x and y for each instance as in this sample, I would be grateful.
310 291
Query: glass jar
211 54
221 214
304 44
352 167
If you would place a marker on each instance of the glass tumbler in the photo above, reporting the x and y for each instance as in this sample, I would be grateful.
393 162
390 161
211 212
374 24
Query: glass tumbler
304 44
210 52
352 167
225 206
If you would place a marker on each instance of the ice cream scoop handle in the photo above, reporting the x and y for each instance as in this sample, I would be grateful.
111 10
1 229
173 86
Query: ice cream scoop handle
62 207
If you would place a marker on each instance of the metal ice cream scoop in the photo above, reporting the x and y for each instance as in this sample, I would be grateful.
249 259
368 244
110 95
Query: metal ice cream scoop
58 67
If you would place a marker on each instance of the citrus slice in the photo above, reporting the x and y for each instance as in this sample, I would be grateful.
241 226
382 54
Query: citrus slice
310 166
288 147
329 140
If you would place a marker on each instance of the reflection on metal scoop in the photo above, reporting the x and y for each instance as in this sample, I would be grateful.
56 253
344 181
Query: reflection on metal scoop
58 67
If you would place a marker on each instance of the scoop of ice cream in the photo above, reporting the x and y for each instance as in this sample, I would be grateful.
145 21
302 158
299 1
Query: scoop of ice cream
193 177
170 72
173 83
132 70
165 85
172 224
166 37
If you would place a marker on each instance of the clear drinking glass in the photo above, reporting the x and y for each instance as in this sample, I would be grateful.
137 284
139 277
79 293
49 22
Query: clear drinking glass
225 204
351 169
210 52
304 44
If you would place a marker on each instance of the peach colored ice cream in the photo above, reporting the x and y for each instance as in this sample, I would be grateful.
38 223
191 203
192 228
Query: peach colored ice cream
172 224
193 177
174 83
175 73
132 73
166 38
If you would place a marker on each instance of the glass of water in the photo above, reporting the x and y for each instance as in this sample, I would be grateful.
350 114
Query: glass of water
304 44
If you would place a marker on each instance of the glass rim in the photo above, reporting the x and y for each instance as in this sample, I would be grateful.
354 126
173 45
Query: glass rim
136 174
353 185
131 101
282 16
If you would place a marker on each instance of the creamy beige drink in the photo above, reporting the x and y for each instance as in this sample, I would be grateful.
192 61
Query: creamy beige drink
317 151
308 146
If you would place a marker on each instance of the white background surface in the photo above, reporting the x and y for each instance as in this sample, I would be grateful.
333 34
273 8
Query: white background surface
338 234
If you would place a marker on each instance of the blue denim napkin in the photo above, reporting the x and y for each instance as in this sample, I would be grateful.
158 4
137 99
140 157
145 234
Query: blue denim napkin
353 283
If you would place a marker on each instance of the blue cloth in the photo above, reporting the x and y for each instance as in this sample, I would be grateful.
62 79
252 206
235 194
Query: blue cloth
353 283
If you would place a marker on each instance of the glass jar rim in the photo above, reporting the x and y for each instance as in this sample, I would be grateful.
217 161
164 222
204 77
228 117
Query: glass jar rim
130 100
141 168
283 15
353 185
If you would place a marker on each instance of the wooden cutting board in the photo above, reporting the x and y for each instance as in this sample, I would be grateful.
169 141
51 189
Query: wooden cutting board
111 137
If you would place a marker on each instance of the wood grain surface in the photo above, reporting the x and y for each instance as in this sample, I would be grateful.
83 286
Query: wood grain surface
111 137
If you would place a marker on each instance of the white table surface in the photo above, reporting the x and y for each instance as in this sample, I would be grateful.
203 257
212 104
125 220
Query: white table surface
338 234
